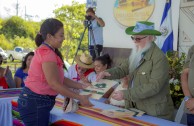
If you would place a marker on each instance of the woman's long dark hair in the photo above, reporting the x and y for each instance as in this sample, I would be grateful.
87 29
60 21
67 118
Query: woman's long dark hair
49 26
105 60
24 65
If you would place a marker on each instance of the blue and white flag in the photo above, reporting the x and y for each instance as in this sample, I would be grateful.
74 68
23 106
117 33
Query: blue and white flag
165 41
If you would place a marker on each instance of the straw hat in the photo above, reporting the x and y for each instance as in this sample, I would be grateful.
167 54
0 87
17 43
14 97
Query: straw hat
142 28
84 60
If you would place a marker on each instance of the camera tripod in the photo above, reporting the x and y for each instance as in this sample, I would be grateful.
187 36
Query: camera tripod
90 38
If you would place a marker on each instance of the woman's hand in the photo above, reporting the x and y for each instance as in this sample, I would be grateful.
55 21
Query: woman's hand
101 75
118 95
85 82
84 100
83 78
85 85
190 105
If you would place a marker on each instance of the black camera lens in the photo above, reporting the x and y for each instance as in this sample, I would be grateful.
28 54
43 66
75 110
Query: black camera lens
88 17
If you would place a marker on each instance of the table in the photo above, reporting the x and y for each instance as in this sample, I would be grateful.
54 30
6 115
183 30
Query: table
57 114
5 112
6 96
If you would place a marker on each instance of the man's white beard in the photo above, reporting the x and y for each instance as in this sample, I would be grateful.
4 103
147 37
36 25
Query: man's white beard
136 56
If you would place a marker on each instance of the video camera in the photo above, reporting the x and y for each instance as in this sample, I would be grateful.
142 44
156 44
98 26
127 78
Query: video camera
87 21
88 17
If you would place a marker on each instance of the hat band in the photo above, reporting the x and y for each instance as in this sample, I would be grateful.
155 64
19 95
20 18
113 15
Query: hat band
140 27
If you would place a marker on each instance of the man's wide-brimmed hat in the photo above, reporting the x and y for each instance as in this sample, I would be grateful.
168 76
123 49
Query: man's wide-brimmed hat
84 60
142 28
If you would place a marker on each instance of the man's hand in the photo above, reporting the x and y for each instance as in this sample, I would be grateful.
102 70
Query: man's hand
101 75
107 101
118 95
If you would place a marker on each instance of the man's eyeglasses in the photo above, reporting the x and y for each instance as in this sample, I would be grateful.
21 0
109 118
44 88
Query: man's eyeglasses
138 39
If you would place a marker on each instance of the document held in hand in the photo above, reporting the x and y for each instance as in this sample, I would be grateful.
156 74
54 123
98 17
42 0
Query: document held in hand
98 89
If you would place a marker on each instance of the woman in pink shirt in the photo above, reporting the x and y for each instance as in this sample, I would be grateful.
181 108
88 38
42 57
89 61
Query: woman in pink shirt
46 77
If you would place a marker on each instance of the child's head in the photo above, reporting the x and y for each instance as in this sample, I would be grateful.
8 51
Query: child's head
102 63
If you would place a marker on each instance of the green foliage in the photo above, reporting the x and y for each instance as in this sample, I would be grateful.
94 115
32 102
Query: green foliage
72 18
176 65
23 42
1 21
5 44
14 26
19 27
32 28
17 32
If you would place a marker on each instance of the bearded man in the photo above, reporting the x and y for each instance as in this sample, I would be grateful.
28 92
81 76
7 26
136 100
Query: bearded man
148 88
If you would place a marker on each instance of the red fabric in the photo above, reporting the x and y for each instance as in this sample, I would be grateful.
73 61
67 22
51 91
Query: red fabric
14 103
87 72
65 123
3 83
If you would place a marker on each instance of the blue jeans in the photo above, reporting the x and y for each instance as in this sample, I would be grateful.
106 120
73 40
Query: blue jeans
190 119
34 108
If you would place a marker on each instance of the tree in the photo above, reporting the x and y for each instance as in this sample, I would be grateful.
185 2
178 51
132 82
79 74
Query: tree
72 17
5 44
19 27
1 22
23 42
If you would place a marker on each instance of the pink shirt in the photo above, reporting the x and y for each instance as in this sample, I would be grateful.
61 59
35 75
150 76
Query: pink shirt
36 80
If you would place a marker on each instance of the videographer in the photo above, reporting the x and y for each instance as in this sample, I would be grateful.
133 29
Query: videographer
95 33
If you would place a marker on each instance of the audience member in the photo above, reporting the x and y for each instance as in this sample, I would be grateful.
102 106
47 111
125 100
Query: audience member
6 79
22 72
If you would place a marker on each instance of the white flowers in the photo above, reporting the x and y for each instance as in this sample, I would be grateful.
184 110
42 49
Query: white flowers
174 81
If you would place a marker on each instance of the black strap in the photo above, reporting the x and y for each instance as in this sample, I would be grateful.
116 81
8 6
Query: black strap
46 44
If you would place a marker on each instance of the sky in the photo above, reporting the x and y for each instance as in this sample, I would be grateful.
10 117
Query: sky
34 9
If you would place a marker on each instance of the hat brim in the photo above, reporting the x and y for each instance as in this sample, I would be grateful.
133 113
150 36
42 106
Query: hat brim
77 60
129 31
